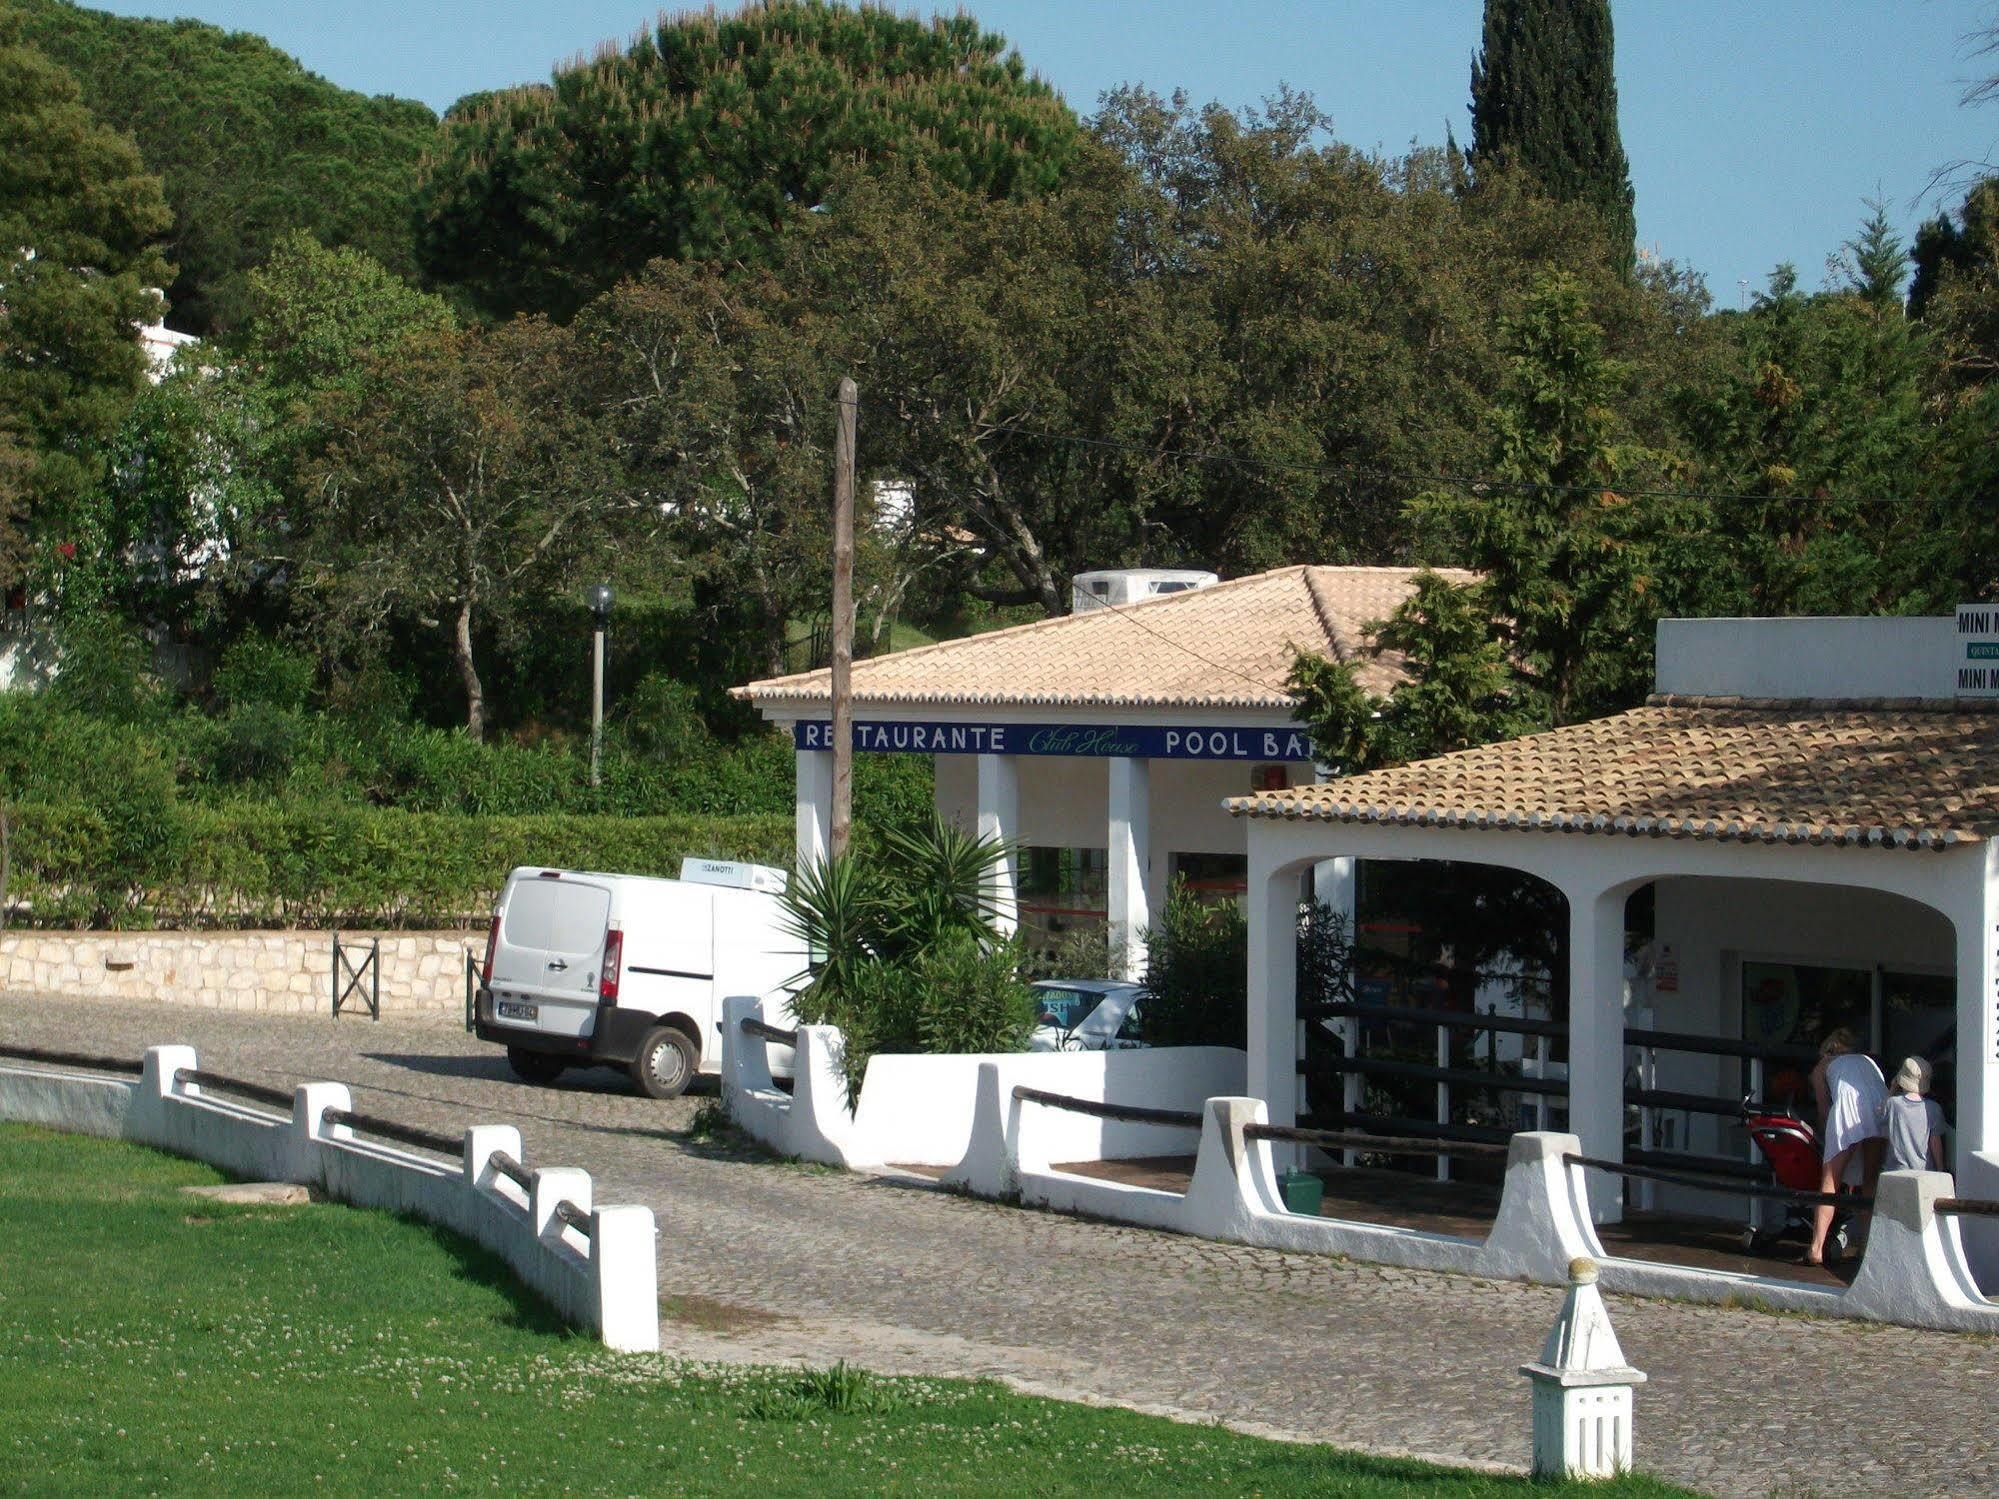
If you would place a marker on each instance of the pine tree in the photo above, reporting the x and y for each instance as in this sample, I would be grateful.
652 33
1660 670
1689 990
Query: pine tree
1875 264
79 219
247 144
1559 551
1544 101
711 135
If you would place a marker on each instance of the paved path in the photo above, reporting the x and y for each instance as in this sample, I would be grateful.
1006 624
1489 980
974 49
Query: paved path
773 1262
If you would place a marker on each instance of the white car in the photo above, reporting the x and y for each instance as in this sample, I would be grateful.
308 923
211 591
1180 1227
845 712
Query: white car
1086 1015
621 970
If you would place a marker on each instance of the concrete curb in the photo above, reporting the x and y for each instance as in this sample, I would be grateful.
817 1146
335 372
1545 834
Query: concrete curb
605 1284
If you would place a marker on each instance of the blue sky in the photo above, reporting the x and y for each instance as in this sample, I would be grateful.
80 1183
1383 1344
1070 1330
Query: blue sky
1755 128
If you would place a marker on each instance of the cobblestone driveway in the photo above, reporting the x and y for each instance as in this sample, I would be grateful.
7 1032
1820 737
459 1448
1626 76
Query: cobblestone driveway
773 1262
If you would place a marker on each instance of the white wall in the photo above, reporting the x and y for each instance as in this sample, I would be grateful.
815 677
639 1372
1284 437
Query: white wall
604 1282
917 1110
1823 658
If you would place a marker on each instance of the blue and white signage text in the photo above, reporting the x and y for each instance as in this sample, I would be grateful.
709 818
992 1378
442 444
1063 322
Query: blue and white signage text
1151 742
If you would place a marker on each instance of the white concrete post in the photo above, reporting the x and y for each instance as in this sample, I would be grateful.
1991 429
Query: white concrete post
624 1278
1130 853
999 818
745 1059
1596 1039
553 1184
156 1085
310 1101
156 1075
815 806
1582 1389
1273 998
482 1143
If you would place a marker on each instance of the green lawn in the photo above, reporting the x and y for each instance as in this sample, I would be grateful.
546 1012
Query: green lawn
150 1342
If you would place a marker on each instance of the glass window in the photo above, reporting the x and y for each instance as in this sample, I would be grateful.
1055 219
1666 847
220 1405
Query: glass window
1212 877
1064 1008
559 916
1919 1019
1795 1004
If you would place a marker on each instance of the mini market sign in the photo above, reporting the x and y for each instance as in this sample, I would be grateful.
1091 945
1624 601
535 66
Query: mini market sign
1090 741
1976 655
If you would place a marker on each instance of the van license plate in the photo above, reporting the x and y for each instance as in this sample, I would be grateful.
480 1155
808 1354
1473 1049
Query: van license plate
513 1009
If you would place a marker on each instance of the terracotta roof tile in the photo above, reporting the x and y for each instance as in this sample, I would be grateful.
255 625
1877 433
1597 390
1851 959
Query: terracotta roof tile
1225 646
1794 773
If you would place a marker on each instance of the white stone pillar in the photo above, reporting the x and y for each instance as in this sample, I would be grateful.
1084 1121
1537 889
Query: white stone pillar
1336 885
815 807
1273 994
999 818
1130 856
1976 920
1596 1039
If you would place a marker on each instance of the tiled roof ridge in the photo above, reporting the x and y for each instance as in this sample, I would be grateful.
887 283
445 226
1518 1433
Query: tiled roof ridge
1824 704
772 685
1322 609
1344 649
1748 770
1730 830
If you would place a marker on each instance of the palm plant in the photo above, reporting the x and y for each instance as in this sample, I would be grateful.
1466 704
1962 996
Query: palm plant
940 880
872 918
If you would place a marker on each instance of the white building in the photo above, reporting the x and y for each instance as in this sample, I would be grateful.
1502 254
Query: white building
1812 805
1103 743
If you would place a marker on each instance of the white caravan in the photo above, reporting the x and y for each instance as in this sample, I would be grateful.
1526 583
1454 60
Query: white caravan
620 970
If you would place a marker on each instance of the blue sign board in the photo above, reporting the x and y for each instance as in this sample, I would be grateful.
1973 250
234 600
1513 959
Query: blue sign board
1151 742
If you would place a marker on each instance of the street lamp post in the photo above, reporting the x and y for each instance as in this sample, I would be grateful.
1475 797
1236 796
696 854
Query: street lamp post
599 596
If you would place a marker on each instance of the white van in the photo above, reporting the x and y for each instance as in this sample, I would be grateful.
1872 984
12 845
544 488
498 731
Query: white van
619 970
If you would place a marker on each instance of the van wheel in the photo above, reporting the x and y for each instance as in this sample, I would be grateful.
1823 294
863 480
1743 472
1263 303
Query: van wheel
666 1063
536 1067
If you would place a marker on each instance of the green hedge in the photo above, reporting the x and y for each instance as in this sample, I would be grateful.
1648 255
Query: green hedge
168 864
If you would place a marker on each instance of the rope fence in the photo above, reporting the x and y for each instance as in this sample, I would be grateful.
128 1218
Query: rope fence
571 1216
389 1129
280 1098
755 1027
1982 1207
1128 1113
72 1059
512 1170
1721 1183
1343 1139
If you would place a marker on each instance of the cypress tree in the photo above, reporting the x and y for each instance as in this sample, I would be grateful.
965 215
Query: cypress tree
1544 100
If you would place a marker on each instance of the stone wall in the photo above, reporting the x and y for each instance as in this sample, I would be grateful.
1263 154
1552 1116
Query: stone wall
423 973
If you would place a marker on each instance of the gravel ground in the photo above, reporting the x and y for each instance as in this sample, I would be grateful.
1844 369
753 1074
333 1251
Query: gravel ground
767 1262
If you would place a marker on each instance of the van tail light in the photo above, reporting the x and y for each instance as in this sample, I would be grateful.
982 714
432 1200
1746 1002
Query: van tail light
614 960
492 941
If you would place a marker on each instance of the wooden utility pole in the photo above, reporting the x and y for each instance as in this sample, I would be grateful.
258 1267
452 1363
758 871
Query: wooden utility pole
843 617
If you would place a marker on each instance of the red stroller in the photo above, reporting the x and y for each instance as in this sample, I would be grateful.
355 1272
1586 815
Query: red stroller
1791 1146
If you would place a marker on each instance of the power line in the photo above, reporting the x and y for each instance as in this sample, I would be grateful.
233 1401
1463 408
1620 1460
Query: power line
1472 483
1177 645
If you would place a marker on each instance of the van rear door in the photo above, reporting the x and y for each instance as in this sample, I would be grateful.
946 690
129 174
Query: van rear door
550 947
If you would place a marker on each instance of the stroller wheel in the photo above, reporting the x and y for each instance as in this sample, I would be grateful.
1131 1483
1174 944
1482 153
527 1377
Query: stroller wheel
1757 1240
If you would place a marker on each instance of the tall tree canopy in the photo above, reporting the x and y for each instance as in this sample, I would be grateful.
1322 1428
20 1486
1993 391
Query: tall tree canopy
249 144
465 479
1560 551
79 221
710 135
1544 100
